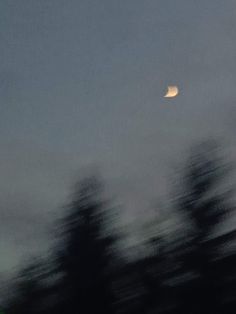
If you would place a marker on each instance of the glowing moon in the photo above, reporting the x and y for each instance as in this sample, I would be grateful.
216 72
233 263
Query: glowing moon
172 91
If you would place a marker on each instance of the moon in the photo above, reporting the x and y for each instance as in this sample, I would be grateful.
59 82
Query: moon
172 91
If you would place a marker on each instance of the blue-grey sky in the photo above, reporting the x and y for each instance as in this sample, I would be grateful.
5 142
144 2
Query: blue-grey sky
82 83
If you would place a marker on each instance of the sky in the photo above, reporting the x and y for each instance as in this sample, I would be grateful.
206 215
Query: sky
82 85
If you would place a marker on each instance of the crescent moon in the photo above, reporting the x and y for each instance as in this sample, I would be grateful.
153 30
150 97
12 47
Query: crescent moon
172 91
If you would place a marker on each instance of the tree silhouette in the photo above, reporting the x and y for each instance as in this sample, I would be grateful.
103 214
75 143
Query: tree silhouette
204 205
85 253
29 290
185 265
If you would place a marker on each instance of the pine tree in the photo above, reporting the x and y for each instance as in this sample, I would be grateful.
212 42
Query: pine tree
85 253
204 205
28 290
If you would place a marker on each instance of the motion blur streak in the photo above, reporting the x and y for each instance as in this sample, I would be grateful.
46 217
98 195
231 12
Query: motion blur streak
185 266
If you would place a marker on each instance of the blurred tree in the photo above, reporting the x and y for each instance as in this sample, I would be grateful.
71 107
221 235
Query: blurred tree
183 265
204 204
28 290
85 253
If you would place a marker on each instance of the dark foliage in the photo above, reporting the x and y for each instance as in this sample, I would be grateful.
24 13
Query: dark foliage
84 257
187 270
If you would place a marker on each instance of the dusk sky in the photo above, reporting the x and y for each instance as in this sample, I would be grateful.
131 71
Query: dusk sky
82 85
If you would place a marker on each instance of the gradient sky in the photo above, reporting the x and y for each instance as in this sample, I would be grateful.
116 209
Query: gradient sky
82 83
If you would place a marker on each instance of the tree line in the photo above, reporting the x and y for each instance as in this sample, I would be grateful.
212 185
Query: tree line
188 267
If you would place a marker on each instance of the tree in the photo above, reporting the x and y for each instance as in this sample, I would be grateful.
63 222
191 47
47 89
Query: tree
85 253
29 289
204 205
